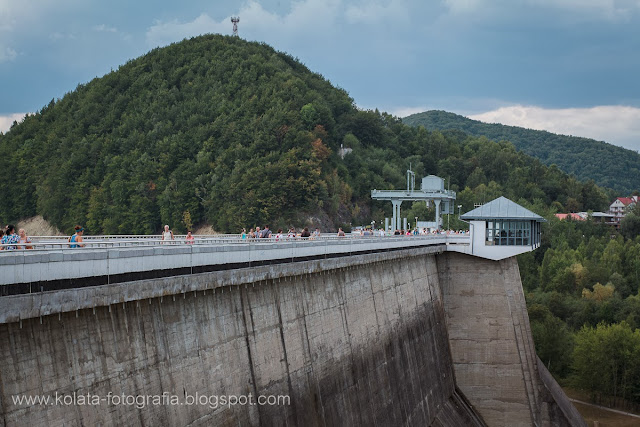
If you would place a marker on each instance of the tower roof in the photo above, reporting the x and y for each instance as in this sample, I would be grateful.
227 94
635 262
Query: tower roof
501 208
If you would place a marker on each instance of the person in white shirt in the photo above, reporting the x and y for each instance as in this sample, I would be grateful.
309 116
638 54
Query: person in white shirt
167 234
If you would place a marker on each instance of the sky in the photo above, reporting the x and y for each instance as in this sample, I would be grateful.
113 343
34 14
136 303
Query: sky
566 66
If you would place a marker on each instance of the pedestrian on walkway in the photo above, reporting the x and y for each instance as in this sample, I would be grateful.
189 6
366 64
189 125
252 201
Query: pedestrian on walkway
76 239
167 234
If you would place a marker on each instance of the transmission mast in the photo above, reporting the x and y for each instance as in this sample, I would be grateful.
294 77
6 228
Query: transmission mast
235 20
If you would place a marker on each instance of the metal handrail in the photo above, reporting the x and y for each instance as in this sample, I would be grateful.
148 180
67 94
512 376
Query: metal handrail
402 190
42 243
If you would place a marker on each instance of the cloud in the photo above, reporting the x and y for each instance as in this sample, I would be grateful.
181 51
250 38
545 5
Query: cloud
163 33
60 36
375 13
7 18
463 6
611 7
104 29
7 120
21 15
333 37
23 22
305 15
618 125
406 111
7 54
568 12
305 20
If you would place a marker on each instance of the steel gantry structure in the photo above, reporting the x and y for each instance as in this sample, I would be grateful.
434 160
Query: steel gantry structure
432 191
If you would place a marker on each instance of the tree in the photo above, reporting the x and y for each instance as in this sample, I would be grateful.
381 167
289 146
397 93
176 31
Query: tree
419 209
350 141
572 205
630 226
605 361
476 178
250 142
553 341
600 293
186 220
309 116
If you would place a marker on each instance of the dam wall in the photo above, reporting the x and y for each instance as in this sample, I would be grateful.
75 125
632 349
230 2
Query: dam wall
492 348
360 340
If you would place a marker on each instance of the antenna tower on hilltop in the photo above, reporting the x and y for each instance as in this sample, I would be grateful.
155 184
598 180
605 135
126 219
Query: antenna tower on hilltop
235 20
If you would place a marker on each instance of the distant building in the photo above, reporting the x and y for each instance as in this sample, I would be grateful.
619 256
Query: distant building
605 218
600 217
573 216
620 207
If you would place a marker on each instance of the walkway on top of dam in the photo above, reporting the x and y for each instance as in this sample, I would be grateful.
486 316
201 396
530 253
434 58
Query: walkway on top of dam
57 279
53 265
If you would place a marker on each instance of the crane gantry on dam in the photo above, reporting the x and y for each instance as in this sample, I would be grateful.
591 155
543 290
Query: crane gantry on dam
432 191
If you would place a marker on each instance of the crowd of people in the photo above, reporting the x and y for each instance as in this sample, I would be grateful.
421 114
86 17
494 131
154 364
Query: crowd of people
427 232
414 232
266 233
12 240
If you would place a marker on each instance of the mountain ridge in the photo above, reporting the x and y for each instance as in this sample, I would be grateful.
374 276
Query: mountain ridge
586 158
215 130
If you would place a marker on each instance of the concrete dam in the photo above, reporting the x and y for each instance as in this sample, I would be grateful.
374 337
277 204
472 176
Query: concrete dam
379 331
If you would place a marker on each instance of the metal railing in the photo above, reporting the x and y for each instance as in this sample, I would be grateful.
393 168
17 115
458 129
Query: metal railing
57 243
445 192
54 261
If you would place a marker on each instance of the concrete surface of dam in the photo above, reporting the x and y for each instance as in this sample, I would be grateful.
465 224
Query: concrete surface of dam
409 336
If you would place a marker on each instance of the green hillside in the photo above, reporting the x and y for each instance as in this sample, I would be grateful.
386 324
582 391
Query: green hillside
220 131
608 165
216 130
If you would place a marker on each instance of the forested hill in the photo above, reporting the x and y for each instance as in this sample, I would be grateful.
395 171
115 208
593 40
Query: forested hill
608 165
220 131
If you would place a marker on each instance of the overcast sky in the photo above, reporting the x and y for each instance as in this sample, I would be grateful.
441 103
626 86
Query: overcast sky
566 66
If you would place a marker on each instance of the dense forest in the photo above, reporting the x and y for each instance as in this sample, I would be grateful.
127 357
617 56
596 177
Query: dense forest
217 130
220 131
608 165
582 295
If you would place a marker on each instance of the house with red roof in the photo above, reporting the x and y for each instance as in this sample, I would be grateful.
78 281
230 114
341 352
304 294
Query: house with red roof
621 206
